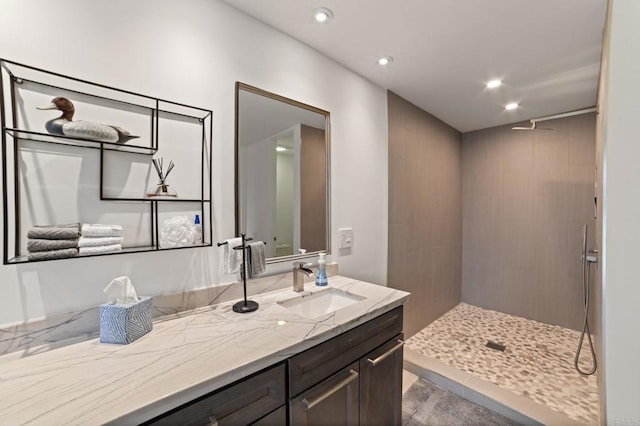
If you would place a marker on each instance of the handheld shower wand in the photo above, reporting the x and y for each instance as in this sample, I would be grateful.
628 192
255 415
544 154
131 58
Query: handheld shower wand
588 257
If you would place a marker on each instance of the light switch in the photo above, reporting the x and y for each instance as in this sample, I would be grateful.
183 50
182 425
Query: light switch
345 238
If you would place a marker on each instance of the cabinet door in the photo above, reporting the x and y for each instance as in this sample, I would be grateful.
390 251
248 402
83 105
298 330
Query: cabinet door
331 402
381 385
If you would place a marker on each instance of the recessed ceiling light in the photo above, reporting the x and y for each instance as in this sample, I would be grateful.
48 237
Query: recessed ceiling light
512 105
322 15
493 84
280 148
385 60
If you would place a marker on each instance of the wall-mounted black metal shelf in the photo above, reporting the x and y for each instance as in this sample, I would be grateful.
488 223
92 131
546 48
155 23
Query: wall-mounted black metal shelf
125 250
156 200
46 180
28 135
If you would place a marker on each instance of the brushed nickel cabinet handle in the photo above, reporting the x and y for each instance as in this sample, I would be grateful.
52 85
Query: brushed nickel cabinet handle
312 402
386 354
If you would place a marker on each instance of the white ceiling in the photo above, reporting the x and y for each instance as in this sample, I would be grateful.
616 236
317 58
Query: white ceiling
546 51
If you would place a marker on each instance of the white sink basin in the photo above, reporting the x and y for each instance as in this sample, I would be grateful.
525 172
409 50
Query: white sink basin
317 303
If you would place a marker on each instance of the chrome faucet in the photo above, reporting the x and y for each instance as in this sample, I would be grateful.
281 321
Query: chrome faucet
300 268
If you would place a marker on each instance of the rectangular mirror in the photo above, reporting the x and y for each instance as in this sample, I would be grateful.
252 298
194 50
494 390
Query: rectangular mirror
282 173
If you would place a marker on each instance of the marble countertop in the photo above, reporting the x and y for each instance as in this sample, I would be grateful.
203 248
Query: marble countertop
182 358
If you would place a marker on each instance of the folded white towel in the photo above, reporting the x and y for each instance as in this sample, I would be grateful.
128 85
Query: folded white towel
99 230
98 241
231 259
101 249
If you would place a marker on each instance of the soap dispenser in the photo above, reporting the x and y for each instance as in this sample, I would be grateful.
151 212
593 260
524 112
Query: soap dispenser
321 276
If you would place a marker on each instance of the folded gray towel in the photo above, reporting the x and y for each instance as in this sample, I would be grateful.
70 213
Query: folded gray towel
256 264
38 244
55 232
53 254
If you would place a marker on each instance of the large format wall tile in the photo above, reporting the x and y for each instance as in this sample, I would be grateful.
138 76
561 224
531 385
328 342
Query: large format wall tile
425 212
526 198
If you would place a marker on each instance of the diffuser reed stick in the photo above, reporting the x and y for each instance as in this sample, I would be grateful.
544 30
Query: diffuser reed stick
162 189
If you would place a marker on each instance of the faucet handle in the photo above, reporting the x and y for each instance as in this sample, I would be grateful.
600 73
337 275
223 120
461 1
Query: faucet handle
301 265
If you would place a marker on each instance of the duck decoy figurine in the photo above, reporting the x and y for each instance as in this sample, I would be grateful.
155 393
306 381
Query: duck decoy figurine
65 126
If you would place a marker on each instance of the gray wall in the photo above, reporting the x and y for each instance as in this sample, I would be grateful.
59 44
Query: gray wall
527 195
313 189
425 212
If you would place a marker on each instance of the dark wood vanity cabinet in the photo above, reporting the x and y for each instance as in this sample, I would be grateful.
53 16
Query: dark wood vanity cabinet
354 378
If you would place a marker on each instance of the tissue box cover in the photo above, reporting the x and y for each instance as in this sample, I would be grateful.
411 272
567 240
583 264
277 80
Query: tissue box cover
125 323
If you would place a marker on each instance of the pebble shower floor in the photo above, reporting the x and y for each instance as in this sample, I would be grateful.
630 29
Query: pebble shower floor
537 362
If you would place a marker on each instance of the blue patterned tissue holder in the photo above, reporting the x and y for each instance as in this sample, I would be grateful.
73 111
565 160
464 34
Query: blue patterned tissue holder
123 324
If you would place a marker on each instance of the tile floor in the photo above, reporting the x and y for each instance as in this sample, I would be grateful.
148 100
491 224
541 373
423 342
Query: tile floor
537 362
425 404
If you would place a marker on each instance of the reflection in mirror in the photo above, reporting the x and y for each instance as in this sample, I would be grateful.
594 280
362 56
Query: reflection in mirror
282 173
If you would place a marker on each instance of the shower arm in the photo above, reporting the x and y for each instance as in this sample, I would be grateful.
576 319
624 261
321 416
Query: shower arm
565 114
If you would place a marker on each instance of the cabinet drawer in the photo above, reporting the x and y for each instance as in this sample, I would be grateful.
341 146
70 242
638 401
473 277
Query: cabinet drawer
277 418
315 364
332 402
241 403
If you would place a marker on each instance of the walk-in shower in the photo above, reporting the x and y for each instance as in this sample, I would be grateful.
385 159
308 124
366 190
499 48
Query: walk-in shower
527 298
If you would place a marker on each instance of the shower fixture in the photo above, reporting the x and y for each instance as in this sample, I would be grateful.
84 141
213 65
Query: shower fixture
532 127
534 121
589 256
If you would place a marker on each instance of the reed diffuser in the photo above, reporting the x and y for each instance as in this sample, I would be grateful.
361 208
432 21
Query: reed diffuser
162 189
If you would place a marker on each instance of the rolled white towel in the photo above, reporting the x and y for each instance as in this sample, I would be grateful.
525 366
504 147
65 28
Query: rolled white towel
98 241
101 249
99 230
231 259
